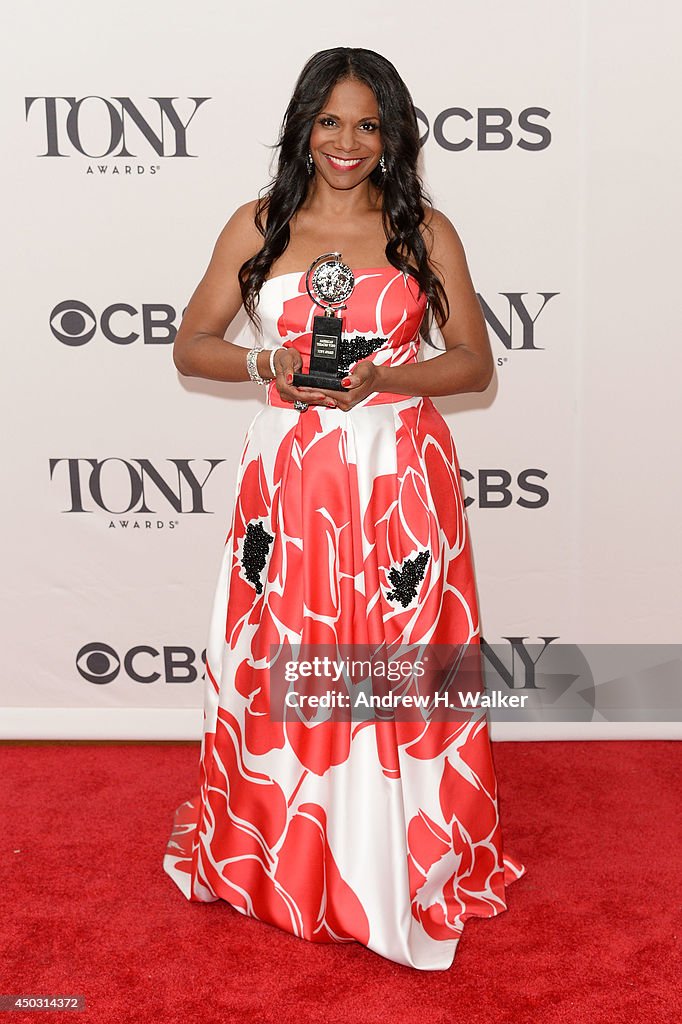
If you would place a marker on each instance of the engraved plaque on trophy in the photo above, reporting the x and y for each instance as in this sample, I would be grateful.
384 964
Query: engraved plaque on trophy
329 282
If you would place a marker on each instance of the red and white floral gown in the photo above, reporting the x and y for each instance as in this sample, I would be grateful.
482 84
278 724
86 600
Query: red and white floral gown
384 833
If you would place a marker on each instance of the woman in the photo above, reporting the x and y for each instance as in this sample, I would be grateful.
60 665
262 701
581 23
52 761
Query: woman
349 528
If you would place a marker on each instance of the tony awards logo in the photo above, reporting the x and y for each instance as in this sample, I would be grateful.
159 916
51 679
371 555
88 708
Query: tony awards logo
329 283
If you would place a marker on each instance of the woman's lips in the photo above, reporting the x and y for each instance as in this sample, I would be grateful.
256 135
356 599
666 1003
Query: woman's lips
339 165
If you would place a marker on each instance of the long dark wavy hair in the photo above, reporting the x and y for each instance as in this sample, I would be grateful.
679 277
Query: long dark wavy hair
403 195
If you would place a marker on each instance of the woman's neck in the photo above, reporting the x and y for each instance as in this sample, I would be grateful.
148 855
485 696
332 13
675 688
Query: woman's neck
340 204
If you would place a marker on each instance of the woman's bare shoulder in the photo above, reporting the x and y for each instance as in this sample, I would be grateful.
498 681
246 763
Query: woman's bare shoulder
242 227
240 238
443 244
440 234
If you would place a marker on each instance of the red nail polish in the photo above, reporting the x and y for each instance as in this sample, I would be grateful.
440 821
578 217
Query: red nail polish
346 382
290 377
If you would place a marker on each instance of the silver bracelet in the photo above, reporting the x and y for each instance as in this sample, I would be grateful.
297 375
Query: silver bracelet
251 366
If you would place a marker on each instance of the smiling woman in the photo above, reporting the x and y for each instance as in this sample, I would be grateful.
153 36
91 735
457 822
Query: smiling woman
349 537
339 144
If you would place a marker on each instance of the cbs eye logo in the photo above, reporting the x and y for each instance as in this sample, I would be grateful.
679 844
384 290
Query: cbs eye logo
98 663
73 323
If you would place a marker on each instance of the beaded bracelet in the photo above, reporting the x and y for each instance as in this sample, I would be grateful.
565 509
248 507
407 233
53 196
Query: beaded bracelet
252 367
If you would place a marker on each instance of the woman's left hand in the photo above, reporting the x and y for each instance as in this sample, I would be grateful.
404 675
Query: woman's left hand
358 384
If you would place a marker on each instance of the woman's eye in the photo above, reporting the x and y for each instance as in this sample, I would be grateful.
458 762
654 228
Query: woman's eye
370 124
325 120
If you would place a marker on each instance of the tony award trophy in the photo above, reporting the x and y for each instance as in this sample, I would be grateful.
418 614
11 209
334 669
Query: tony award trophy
328 284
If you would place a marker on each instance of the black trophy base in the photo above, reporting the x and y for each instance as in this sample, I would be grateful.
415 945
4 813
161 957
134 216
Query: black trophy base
318 380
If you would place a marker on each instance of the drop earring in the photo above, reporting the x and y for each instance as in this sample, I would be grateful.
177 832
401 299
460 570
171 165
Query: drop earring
382 163
309 164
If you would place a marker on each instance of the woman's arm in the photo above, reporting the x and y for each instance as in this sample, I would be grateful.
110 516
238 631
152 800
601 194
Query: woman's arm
200 349
466 365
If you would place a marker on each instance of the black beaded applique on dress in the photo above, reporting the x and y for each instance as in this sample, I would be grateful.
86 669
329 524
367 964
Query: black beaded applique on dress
406 580
352 350
255 552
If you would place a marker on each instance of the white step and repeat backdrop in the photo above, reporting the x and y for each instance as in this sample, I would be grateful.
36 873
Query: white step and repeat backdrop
132 132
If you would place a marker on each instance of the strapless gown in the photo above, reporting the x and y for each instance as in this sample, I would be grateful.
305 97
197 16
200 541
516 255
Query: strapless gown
348 527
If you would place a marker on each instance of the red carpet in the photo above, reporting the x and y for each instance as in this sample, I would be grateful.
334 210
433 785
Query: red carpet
593 931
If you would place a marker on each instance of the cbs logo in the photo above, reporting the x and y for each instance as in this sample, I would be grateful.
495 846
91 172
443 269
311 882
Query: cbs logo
74 323
487 129
100 664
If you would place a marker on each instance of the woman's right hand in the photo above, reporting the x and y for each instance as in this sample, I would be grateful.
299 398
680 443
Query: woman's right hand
289 361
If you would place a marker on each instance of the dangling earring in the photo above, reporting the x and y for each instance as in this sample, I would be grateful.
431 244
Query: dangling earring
309 164
382 163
